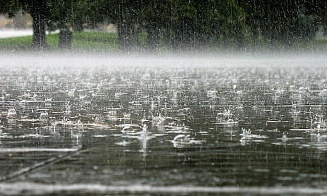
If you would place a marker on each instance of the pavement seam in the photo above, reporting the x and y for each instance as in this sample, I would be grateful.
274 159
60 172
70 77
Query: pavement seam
42 164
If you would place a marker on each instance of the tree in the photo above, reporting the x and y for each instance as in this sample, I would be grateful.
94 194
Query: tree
190 24
283 23
10 7
222 21
38 10
60 18
68 16
125 14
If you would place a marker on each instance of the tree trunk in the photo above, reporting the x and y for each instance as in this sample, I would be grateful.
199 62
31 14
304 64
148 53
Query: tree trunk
65 39
153 38
38 13
124 37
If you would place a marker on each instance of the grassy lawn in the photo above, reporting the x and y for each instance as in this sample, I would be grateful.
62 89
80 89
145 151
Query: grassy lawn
21 43
321 44
89 41
95 41
101 41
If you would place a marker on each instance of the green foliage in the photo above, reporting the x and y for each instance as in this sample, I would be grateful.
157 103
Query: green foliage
186 24
71 14
283 22
10 7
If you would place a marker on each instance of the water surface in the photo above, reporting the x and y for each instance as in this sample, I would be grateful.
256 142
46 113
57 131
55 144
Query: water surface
169 125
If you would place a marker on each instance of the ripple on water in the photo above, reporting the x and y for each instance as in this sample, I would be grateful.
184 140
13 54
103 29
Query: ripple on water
100 136
123 143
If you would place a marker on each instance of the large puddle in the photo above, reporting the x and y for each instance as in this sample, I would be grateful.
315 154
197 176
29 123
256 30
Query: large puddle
86 124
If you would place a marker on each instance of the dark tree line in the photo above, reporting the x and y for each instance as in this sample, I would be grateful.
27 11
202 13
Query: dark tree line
284 22
178 24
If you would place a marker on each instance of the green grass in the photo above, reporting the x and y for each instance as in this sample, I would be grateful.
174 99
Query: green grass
101 41
89 41
16 43
321 44
95 41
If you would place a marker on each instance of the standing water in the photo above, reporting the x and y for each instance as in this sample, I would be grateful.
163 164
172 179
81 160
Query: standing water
102 125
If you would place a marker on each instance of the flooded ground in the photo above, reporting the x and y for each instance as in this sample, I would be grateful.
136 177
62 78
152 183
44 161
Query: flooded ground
99 125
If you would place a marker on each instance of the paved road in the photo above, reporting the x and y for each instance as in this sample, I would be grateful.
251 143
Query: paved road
5 33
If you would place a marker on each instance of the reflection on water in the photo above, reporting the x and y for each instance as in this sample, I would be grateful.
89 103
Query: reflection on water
124 128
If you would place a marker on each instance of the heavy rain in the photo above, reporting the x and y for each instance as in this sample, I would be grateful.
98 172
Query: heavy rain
163 97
